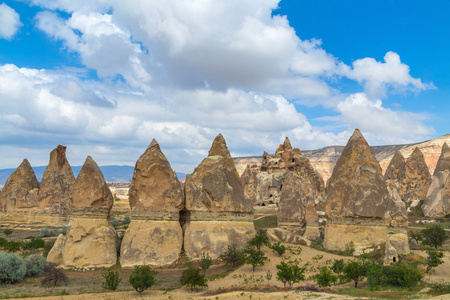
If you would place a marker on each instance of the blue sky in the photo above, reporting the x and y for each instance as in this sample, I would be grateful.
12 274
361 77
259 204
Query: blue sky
105 77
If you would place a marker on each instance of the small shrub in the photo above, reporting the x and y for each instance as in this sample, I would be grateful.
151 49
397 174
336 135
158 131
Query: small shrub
278 248
33 243
12 268
415 236
8 231
319 240
205 262
112 280
47 247
53 276
115 223
349 248
63 230
13 246
193 277
126 220
440 287
35 265
45 232
338 268
233 256
260 239
3 242
142 278
325 277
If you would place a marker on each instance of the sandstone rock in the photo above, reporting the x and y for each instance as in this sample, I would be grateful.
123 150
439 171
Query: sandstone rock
444 160
357 199
250 182
295 196
396 245
437 202
20 190
356 188
91 240
287 236
217 211
54 193
312 222
154 236
55 254
417 178
396 214
396 171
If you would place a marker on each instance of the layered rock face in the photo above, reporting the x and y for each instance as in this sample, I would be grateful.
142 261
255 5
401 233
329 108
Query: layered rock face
217 211
91 240
154 236
417 178
264 186
20 190
357 199
437 202
58 178
395 172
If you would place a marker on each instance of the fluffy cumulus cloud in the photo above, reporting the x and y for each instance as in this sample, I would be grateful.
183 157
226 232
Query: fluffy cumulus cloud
378 76
181 72
370 116
9 22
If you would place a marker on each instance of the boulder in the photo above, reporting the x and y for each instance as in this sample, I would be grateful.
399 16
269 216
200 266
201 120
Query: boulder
91 241
20 190
58 178
357 199
417 178
154 236
55 254
217 211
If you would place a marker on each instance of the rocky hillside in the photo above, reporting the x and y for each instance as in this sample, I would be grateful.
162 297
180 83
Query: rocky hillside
325 158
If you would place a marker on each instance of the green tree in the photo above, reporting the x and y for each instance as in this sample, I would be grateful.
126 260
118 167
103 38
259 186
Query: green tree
278 248
233 256
260 239
142 278
415 236
193 277
338 268
290 272
254 257
205 262
8 231
356 271
112 280
434 236
325 277
434 259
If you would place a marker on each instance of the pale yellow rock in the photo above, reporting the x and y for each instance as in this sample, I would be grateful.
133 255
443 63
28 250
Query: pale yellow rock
287 236
396 245
150 242
55 254
90 242
364 237
437 202
214 237
312 231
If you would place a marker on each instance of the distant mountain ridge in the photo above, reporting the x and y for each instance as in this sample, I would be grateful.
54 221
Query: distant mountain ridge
111 173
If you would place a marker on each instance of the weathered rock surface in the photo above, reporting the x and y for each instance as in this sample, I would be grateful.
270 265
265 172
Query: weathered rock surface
417 178
91 240
437 202
58 178
444 160
287 236
20 190
296 194
357 199
55 254
217 211
396 171
312 222
154 236
263 185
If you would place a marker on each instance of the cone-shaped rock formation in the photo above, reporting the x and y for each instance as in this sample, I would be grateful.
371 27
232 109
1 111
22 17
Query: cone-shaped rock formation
217 211
154 236
437 202
417 178
20 190
357 199
91 240
54 192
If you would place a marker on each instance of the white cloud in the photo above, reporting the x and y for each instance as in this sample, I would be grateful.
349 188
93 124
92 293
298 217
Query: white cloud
377 76
370 116
9 22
